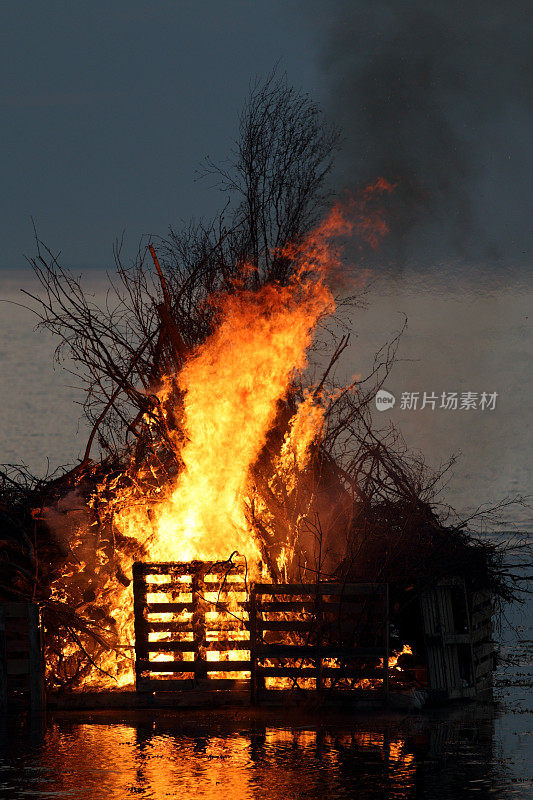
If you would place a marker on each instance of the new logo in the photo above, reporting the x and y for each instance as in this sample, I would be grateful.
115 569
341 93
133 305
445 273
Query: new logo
384 400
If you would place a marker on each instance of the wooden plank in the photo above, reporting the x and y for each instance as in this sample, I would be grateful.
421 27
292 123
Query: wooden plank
345 590
190 646
450 652
327 672
223 684
286 625
224 587
228 666
297 606
18 666
482 645
199 667
202 691
166 627
288 672
209 605
167 608
344 697
229 624
17 646
310 651
187 568
332 604
354 672
16 610
170 647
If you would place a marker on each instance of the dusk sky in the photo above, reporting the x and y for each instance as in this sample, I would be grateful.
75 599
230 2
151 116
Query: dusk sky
110 108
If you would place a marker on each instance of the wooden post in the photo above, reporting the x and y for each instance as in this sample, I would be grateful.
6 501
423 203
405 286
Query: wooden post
198 626
35 658
3 666
386 659
141 636
252 624
473 677
319 675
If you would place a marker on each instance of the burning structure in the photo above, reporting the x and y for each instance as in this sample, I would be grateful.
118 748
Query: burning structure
222 454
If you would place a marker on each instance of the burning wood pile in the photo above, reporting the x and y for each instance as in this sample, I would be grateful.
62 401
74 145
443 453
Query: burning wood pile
217 443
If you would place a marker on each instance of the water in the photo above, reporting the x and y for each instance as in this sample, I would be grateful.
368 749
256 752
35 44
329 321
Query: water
265 754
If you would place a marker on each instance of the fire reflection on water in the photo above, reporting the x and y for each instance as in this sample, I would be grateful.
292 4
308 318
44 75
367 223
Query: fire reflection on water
166 755
117 761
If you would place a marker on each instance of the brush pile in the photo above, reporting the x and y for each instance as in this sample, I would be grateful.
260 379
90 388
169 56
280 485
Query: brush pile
211 435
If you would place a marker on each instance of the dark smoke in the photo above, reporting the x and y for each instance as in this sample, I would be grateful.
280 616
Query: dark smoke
437 97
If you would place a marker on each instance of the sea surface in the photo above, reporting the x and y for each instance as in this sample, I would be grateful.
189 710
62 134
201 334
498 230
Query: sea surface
459 338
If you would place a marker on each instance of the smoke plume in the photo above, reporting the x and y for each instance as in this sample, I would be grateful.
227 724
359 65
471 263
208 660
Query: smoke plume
436 96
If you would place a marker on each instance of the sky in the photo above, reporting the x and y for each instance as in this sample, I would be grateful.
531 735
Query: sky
110 108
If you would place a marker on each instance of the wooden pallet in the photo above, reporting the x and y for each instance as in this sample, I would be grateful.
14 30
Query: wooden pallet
21 659
323 637
186 615
458 636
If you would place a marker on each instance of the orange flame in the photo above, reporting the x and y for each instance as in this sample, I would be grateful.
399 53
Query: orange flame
232 386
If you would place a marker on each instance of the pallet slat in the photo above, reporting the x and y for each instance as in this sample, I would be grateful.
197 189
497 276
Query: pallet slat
345 590
326 672
199 666
186 625
188 646
310 651
187 568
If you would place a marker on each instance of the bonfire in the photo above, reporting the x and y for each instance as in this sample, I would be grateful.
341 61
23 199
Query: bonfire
217 442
